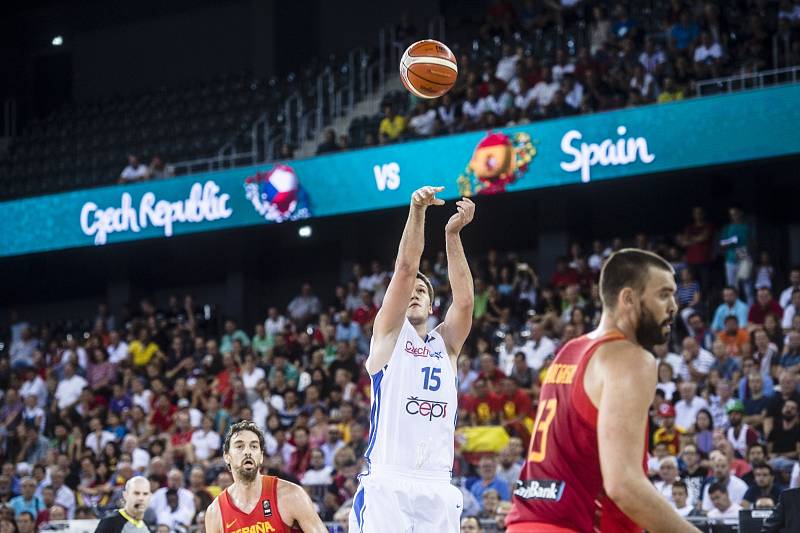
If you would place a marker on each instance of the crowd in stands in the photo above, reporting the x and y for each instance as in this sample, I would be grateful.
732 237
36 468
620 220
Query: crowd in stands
136 171
153 391
621 61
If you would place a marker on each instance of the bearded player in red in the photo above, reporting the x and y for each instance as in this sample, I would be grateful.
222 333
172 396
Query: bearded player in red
585 470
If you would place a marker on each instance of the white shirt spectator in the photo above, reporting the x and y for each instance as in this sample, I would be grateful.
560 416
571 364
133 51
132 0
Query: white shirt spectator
788 316
537 352
317 477
505 358
667 388
702 363
575 96
703 53
206 444
36 387
448 117
77 356
140 459
96 442
731 513
650 62
134 173
786 296
560 70
665 489
646 86
675 361
329 450
174 519
497 104
158 503
65 497
251 379
69 390
273 327
143 400
736 490
118 353
471 110
35 413
522 101
544 92
21 351
505 67
421 124
686 412
683 511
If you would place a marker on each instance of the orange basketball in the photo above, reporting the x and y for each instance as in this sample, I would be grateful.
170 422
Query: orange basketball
428 69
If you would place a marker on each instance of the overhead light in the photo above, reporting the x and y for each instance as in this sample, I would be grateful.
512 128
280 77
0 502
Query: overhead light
57 40
304 231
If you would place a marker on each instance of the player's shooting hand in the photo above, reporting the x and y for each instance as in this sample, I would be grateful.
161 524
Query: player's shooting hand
425 196
463 216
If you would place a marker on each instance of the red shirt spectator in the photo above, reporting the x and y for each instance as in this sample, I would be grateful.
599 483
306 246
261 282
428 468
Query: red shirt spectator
490 372
763 306
483 406
163 416
696 239
564 275
366 311
301 456
516 403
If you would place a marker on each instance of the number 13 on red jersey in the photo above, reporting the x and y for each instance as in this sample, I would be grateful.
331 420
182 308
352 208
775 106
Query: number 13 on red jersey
544 416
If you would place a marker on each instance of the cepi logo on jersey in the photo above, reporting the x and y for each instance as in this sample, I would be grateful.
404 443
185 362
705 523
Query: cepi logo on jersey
429 409
608 152
204 204
277 194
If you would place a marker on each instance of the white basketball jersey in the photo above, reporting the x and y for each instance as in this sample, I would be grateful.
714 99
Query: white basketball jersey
414 403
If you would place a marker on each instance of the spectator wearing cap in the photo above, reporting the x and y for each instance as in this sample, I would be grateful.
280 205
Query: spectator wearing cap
739 434
765 304
668 432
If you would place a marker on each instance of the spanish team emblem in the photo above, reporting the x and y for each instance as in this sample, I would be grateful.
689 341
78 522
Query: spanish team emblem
497 162
277 194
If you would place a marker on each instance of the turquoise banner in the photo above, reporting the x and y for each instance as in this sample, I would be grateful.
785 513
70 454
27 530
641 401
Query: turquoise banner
645 140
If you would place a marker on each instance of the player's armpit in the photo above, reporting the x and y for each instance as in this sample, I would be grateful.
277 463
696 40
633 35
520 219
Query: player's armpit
296 508
212 520
628 379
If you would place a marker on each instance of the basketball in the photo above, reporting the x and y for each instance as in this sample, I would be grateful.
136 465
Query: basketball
428 69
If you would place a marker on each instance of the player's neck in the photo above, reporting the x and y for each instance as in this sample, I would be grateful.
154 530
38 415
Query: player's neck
611 323
247 490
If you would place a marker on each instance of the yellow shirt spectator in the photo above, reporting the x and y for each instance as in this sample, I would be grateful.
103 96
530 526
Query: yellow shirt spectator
671 92
142 353
392 126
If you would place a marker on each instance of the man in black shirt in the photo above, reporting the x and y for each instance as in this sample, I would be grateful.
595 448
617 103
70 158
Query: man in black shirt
129 518
783 441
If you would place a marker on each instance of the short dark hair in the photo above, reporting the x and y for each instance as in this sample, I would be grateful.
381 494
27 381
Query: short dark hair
764 466
427 283
238 427
680 485
717 487
33 519
628 267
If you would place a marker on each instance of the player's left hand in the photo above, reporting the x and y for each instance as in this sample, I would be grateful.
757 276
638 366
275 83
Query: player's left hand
463 216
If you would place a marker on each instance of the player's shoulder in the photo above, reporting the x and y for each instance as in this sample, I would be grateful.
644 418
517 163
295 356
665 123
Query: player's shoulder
623 354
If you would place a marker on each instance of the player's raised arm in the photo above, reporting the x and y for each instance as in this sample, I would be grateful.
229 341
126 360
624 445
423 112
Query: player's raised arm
627 386
458 320
398 295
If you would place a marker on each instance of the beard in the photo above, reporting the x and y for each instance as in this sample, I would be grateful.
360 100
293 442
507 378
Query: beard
648 331
248 475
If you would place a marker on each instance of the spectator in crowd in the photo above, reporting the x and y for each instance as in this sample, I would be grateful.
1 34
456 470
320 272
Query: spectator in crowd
423 120
392 125
739 434
783 442
668 475
736 238
305 305
731 306
158 169
794 284
764 486
723 507
488 479
680 499
791 311
134 172
27 501
733 487
328 143
763 306
669 434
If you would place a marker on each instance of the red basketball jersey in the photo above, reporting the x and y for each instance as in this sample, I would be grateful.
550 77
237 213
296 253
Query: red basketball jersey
561 483
264 518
